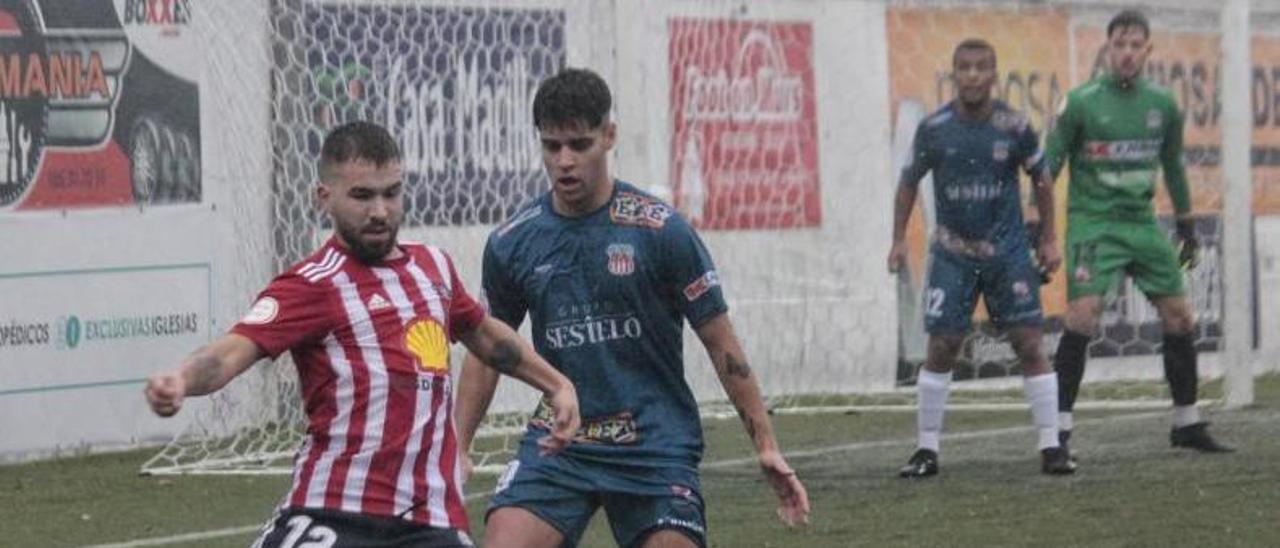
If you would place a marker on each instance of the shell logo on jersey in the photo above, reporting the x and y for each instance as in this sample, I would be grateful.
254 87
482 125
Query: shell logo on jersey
262 312
426 340
621 259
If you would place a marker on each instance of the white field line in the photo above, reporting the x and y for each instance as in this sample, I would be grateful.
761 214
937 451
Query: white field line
728 463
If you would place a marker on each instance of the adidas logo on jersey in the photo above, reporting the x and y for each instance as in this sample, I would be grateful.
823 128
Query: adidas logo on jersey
377 302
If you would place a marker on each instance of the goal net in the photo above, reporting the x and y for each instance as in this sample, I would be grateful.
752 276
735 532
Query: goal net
777 128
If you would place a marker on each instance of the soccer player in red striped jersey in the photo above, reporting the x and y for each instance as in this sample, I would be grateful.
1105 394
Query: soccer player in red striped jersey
368 320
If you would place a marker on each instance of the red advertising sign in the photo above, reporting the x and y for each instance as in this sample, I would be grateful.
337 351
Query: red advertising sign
98 105
744 142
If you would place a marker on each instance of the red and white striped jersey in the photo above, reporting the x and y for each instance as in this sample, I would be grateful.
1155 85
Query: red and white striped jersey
371 344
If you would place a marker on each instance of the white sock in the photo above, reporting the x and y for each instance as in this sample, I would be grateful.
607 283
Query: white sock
1042 394
1184 415
1065 421
931 391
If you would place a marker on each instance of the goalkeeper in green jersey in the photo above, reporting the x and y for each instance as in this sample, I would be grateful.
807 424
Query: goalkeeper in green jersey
1116 132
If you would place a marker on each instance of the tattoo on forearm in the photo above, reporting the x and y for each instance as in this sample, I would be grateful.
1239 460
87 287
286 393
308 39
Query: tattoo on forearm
505 356
735 368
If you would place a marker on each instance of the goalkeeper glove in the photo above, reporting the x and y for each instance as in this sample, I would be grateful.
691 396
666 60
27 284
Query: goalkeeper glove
1189 246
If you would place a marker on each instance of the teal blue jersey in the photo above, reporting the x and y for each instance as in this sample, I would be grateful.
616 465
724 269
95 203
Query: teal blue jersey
975 166
607 294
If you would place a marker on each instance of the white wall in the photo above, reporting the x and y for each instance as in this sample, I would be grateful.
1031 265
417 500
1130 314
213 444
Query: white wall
133 262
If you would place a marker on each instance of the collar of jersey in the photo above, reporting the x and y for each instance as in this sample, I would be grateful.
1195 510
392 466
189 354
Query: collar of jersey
550 206
336 245
1112 81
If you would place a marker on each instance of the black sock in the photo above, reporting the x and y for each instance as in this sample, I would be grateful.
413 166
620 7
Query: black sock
1068 362
1180 368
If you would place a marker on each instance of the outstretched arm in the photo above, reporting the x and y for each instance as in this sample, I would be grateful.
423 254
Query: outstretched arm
735 375
206 370
494 343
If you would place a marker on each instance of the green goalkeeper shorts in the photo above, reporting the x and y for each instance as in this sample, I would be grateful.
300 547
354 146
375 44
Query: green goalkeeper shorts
1098 252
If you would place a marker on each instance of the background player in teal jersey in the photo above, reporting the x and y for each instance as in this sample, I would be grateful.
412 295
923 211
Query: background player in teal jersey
608 274
1117 132
975 146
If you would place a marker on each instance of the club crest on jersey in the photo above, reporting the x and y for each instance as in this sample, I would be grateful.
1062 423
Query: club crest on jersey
635 209
262 312
1000 151
1154 119
622 259
426 340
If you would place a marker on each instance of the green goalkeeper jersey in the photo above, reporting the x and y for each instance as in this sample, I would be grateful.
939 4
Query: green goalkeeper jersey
1116 138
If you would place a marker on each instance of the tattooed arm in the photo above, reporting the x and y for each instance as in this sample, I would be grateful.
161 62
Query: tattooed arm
206 370
740 383
496 345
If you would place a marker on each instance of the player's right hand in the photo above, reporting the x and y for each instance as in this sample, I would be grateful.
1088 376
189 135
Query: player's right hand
793 499
165 391
897 256
564 403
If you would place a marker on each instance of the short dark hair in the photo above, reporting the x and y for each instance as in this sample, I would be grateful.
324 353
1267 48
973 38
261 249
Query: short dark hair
1129 18
354 141
573 96
973 44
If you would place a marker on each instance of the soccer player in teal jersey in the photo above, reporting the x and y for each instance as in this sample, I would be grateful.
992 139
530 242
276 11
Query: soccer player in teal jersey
1116 132
975 146
608 274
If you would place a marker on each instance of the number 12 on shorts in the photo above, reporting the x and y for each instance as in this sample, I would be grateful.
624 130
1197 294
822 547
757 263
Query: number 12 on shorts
933 298
317 536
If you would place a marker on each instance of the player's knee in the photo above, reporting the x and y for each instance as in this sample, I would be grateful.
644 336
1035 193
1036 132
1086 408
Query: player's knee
514 527
1176 318
1082 317
943 350
668 538
1026 346
1179 324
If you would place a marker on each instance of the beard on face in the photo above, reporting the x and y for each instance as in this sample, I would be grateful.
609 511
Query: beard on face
365 252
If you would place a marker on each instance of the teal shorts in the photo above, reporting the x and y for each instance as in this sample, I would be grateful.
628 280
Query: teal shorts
1009 284
566 491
